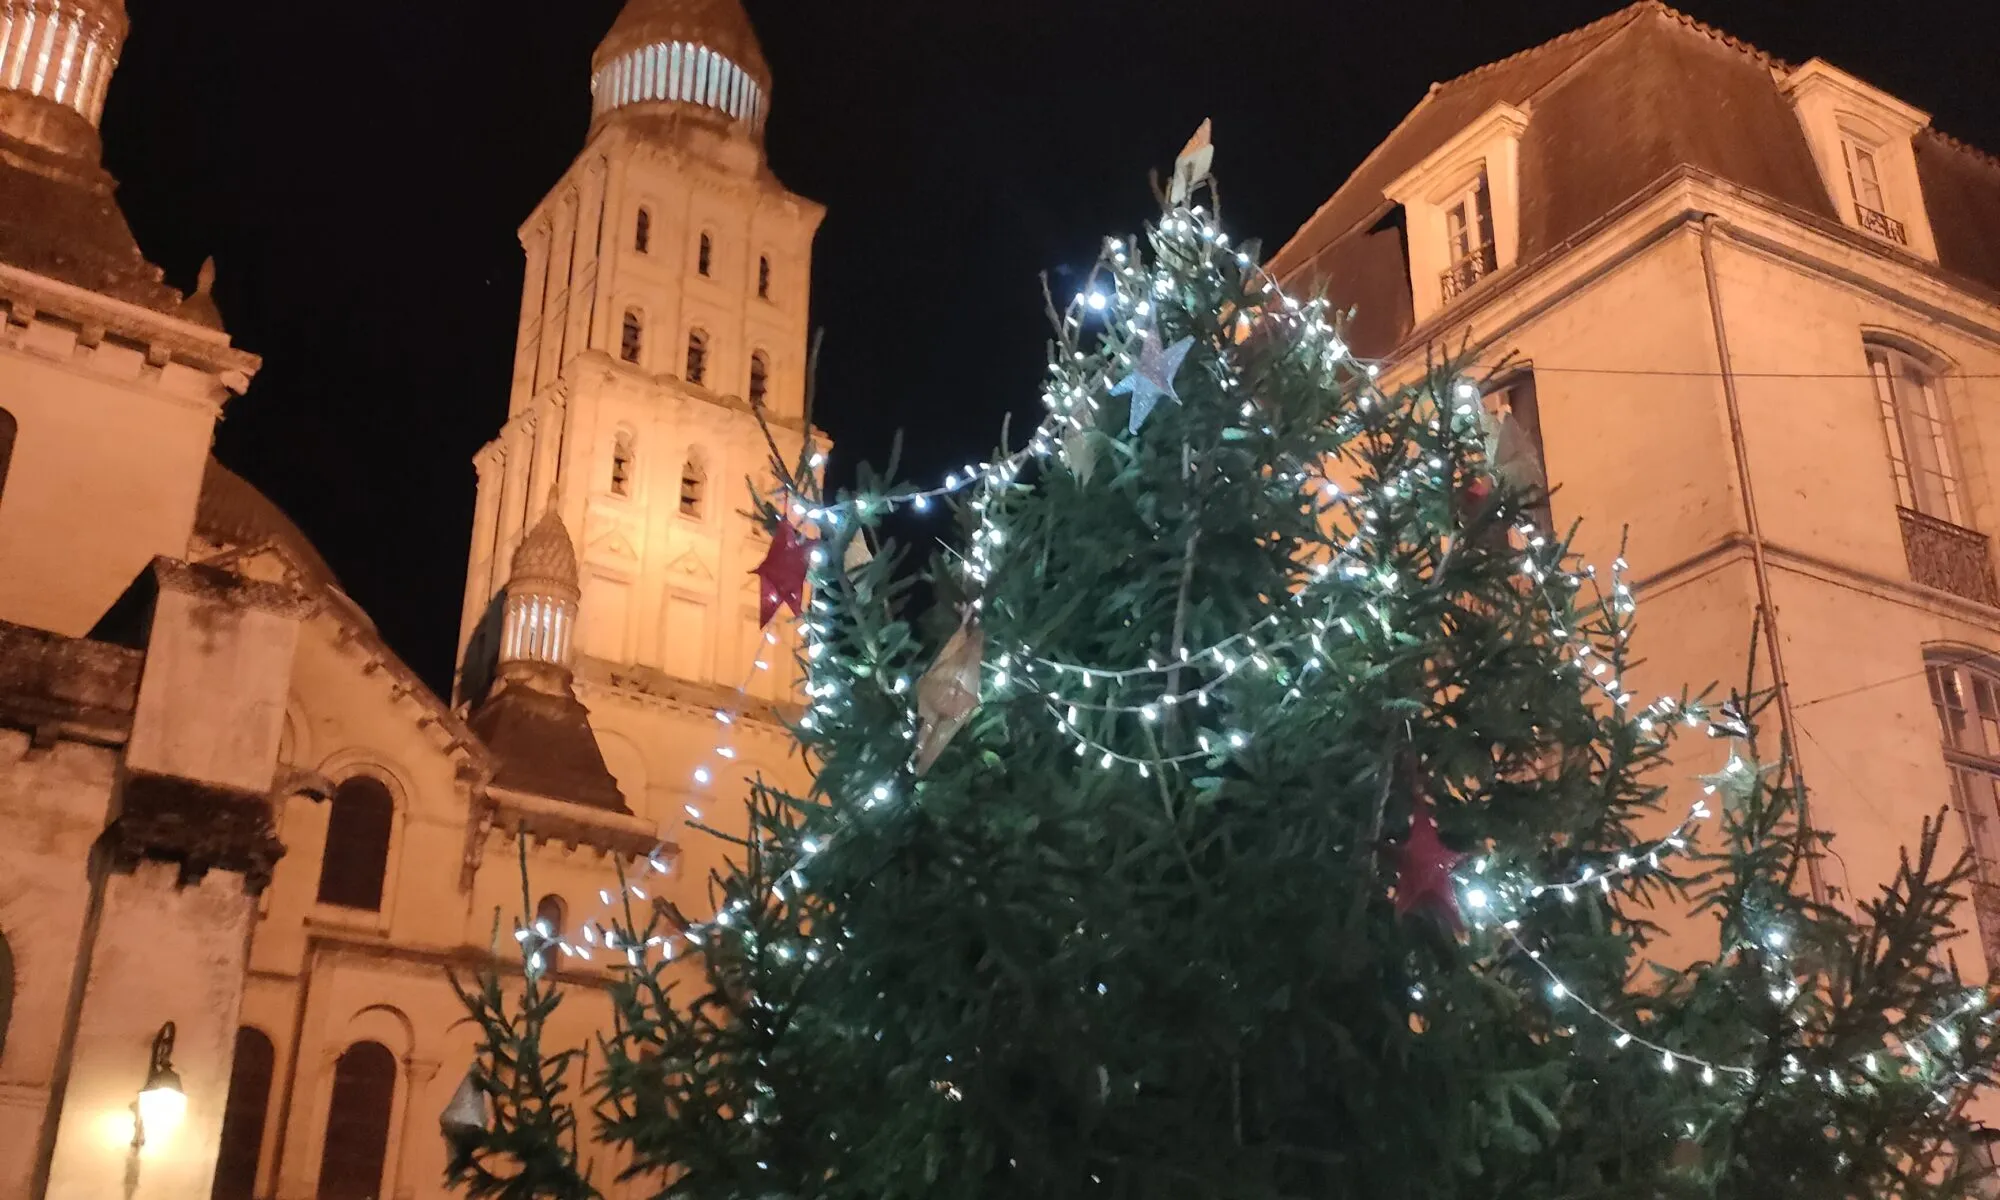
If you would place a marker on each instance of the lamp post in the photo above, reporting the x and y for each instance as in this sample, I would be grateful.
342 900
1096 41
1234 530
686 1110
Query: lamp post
161 1102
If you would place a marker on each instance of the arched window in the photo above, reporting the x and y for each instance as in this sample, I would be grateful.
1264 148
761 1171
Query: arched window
705 255
6 990
694 485
760 377
764 277
632 338
1921 450
642 232
551 916
8 429
357 845
1967 699
357 1124
243 1117
697 363
624 462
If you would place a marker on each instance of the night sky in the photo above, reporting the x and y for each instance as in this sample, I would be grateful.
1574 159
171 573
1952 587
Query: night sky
359 172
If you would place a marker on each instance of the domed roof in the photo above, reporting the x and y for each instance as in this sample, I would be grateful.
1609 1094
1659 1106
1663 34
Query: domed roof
546 555
720 25
233 513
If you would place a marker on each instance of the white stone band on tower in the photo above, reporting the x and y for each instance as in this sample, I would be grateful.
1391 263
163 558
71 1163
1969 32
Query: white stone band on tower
678 72
57 51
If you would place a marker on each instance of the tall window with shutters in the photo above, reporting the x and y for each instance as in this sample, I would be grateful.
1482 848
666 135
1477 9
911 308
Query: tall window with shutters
243 1116
356 861
357 1124
1468 229
1967 698
1917 420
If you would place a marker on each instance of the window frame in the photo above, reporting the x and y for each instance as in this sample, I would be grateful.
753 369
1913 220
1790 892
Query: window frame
695 367
1974 769
632 338
388 840
1468 223
10 437
704 261
623 477
694 469
763 277
760 377
642 230
1937 490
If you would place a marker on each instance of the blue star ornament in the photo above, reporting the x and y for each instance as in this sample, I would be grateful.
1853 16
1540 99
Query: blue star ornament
1152 380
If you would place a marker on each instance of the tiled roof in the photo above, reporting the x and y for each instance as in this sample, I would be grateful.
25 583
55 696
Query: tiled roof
1613 107
58 218
545 747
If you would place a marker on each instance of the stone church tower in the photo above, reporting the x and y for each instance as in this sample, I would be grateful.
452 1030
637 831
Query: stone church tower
665 299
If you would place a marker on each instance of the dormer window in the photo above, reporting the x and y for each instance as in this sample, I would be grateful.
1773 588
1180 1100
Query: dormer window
1862 141
1468 225
1864 183
1462 209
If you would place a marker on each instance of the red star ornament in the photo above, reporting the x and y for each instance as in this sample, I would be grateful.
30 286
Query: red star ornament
782 574
1423 870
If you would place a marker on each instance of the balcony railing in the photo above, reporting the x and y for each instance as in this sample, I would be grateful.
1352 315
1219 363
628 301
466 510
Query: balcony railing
1881 224
1467 271
1948 557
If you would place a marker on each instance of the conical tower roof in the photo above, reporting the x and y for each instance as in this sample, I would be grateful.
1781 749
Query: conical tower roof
546 556
720 25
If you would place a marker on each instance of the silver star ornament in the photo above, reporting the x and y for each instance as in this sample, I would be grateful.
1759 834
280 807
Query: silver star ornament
1152 380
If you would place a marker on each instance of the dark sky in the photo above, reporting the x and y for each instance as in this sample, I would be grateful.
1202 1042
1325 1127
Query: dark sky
359 171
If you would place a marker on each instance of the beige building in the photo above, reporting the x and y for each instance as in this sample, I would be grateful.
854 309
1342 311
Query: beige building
224 802
1753 310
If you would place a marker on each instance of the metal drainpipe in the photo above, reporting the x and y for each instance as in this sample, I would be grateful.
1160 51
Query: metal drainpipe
1767 611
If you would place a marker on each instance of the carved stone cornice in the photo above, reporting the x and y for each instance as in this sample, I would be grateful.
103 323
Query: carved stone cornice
199 826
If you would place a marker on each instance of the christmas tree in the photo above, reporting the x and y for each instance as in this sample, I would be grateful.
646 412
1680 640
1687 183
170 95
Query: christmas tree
1262 811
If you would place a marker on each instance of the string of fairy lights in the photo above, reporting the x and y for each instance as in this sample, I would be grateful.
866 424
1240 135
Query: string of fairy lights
1499 903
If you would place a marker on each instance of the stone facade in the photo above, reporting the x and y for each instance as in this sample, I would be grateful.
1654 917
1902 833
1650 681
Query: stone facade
224 801
1754 310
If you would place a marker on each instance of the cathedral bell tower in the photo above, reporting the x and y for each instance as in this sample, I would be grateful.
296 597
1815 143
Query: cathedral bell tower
665 300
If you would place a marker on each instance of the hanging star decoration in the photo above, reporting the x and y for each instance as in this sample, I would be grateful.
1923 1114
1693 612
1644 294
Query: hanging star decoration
1152 380
948 693
1423 868
782 574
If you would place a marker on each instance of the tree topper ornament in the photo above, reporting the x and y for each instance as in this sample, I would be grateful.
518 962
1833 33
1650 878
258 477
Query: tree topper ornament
1191 168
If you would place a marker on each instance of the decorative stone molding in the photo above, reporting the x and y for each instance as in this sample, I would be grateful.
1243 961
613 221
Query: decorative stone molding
201 827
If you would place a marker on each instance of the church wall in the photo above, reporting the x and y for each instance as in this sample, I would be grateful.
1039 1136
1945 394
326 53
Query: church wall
105 473
54 802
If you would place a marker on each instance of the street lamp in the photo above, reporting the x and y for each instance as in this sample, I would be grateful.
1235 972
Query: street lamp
161 1101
